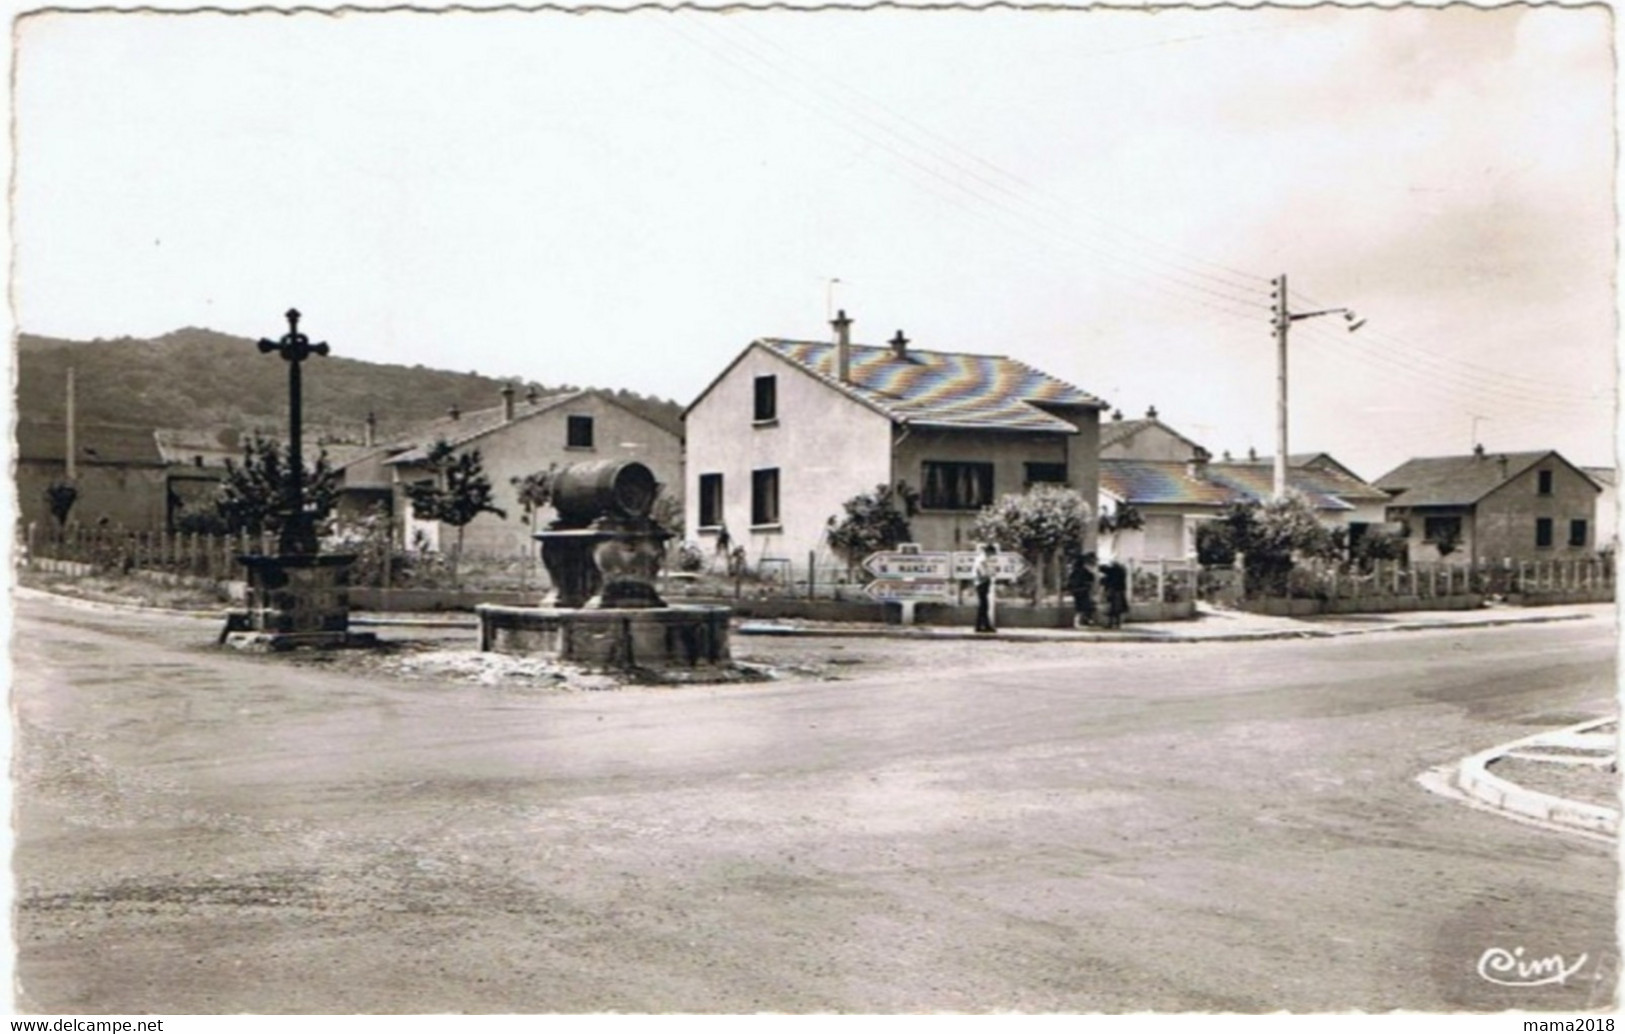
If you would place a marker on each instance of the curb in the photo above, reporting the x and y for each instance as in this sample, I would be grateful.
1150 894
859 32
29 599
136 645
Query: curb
80 603
1473 778
918 632
1069 636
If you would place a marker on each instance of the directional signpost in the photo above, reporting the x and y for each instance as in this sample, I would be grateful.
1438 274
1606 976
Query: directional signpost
909 575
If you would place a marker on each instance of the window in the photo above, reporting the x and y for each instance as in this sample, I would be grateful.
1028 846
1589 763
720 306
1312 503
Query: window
767 399
1577 533
956 486
710 500
1441 529
1543 532
1544 479
1046 473
764 496
578 432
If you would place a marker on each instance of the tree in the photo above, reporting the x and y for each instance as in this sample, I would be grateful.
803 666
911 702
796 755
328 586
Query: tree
458 493
1374 545
60 495
535 491
667 512
1125 518
874 521
1041 524
253 496
1269 537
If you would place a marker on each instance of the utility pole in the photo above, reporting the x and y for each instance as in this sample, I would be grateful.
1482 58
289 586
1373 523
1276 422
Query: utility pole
1283 319
71 444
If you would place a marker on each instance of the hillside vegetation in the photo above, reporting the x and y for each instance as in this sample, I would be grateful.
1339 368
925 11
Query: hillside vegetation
195 378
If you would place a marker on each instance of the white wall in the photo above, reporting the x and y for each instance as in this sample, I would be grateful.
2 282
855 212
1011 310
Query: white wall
827 448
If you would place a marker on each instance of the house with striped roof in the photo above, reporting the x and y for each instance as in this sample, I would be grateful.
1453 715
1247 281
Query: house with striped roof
1175 485
516 438
791 429
1492 508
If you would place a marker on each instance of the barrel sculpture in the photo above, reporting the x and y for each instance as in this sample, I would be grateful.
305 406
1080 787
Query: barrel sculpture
604 551
621 490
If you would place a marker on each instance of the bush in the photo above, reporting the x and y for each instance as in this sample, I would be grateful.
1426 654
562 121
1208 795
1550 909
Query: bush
873 522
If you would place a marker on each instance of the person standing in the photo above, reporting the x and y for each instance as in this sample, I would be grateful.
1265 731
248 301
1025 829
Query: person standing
981 573
1080 581
1114 579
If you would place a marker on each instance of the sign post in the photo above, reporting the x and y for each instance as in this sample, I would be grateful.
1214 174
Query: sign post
909 575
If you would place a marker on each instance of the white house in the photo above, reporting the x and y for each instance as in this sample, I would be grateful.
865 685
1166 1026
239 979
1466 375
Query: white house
790 430
1175 486
514 439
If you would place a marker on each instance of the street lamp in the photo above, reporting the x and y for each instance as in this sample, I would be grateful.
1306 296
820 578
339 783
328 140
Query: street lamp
1284 318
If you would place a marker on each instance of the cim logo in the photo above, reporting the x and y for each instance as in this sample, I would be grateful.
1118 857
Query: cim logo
1513 969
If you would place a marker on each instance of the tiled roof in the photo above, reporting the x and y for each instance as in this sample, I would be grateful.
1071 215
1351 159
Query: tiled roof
943 389
180 445
1455 480
42 440
1114 431
1256 481
1328 476
1147 482
414 447
1150 482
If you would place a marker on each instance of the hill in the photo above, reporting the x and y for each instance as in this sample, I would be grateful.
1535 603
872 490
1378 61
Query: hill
196 378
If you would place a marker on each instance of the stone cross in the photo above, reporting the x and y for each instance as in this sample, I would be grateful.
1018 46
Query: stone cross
298 533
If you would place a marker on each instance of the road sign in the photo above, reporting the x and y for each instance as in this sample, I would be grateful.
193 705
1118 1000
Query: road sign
1007 567
909 566
896 590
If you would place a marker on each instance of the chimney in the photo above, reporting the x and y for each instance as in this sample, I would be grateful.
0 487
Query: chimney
843 346
899 346
370 435
454 412
1151 413
1196 466
1501 461
507 402
1478 451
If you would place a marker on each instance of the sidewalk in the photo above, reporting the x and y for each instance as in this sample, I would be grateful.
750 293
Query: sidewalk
1210 625
1562 778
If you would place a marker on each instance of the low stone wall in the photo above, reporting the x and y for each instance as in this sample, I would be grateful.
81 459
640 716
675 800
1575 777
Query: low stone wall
1557 597
1015 615
945 614
72 567
418 601
1277 606
236 591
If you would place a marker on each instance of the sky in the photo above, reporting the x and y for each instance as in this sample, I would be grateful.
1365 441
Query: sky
627 200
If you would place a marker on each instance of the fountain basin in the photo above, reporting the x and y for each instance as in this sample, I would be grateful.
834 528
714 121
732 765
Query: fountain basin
664 637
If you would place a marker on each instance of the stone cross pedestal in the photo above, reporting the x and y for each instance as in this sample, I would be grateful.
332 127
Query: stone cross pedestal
299 596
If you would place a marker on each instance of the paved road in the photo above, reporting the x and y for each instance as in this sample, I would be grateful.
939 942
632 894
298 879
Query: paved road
953 826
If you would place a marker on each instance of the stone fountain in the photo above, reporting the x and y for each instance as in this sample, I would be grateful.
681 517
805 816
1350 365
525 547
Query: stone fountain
603 554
